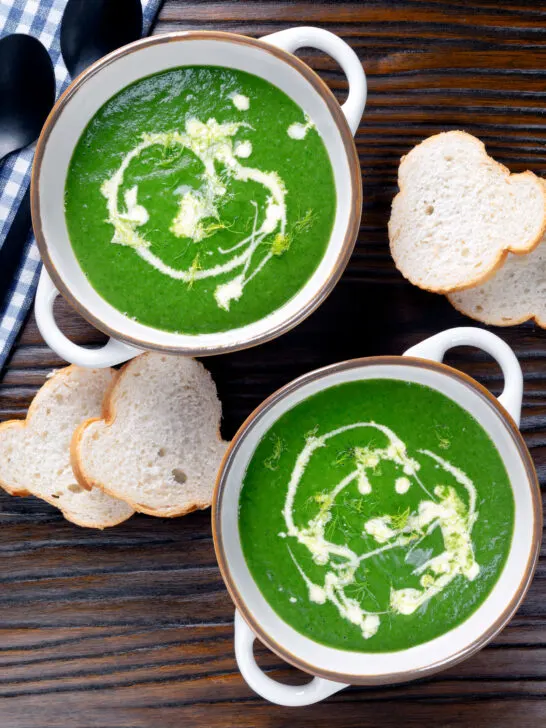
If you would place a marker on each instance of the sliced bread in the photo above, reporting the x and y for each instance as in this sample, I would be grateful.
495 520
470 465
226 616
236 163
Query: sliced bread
35 453
158 445
516 293
459 213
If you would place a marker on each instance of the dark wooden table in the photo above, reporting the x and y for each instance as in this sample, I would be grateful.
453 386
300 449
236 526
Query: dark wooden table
133 626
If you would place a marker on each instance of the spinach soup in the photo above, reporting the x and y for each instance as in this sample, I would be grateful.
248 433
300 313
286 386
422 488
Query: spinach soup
199 199
376 515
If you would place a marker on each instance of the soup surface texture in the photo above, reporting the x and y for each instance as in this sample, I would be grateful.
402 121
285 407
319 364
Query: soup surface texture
376 515
199 199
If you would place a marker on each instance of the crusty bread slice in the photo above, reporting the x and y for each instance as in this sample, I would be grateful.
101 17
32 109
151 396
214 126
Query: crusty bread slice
35 453
516 293
459 213
158 445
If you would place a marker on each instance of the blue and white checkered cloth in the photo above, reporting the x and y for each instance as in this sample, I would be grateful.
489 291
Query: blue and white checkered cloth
42 19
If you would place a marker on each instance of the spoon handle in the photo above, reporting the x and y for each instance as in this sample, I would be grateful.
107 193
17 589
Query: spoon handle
11 252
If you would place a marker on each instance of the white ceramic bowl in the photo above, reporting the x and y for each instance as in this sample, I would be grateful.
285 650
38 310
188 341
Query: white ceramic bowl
272 59
335 669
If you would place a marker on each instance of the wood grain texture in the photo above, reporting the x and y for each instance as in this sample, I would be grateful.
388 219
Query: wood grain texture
132 627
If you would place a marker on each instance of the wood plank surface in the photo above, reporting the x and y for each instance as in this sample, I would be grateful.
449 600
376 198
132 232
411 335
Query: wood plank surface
132 627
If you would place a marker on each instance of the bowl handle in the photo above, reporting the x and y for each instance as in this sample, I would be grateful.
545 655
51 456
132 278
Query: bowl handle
291 696
435 348
293 38
113 352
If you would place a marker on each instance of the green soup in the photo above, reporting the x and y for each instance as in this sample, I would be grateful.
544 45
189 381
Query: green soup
376 515
199 199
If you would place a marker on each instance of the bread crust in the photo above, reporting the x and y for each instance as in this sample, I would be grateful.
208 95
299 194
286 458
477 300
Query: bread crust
8 487
503 254
109 417
23 424
87 482
492 321
514 296
75 460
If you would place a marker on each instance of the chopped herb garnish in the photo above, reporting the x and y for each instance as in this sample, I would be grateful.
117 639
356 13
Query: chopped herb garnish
282 241
311 433
399 521
172 151
194 267
272 462
344 456
304 224
442 433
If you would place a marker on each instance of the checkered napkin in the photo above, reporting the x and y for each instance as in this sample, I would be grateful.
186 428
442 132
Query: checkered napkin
40 18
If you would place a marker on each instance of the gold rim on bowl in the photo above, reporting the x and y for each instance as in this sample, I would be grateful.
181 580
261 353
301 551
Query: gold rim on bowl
459 655
354 169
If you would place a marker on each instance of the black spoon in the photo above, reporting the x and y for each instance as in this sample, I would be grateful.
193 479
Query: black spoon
27 90
92 28
89 30
27 93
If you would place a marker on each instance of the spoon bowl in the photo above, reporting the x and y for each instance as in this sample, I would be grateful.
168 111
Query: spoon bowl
27 91
92 28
